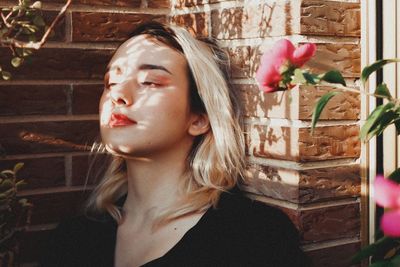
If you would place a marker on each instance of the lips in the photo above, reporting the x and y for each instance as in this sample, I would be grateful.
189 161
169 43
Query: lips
119 120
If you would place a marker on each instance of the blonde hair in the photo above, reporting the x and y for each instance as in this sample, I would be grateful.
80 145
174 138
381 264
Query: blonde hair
216 161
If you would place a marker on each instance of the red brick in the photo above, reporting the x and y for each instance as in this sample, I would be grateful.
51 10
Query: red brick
17 100
43 137
298 103
336 256
326 223
329 142
57 63
343 57
190 3
241 57
304 186
195 23
88 170
39 172
85 98
252 21
335 18
54 207
118 3
59 33
95 27
297 144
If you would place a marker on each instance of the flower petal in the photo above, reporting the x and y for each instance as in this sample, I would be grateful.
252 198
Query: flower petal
387 192
390 223
283 50
268 77
303 54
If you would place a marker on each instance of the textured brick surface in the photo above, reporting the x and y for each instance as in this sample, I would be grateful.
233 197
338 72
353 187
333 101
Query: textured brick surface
17 100
326 223
329 142
336 256
85 98
330 18
304 186
120 3
190 3
342 57
250 21
95 26
42 137
54 207
195 23
88 170
298 103
39 172
57 63
297 144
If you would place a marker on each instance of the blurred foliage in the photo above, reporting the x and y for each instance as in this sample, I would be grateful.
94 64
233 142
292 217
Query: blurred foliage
15 213
25 23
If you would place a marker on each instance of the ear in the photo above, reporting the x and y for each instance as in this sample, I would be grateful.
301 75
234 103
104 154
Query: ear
199 124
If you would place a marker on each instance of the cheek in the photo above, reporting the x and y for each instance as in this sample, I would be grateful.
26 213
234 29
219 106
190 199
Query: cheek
105 109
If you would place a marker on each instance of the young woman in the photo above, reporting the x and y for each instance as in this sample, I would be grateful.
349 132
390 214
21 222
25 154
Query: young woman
169 118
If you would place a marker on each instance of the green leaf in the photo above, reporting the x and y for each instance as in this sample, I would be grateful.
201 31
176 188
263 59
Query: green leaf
17 61
386 119
18 166
395 175
20 183
380 245
10 172
38 21
395 261
380 264
311 78
6 75
319 107
6 184
382 90
372 120
368 70
333 76
37 5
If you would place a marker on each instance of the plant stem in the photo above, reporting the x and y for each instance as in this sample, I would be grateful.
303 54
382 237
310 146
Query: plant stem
37 45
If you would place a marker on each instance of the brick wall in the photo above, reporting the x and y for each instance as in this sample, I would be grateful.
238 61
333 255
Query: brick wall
48 112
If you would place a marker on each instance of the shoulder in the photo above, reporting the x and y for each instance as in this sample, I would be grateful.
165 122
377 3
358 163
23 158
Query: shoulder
256 213
269 234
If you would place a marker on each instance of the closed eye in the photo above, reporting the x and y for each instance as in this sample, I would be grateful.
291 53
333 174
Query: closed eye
108 86
149 83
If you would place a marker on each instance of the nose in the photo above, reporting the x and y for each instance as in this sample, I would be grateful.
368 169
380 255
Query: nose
121 97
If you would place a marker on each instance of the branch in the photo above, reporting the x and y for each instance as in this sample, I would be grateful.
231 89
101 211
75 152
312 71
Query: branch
38 45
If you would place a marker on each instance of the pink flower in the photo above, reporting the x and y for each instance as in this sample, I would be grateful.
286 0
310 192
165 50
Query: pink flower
282 57
387 194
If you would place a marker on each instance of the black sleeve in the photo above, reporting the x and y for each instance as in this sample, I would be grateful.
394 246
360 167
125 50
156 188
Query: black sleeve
276 239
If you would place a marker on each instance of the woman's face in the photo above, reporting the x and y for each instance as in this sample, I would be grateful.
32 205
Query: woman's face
145 108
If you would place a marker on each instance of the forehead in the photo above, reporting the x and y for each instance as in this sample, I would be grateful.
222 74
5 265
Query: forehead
143 49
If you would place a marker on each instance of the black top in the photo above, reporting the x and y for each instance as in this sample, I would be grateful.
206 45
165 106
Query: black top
239 232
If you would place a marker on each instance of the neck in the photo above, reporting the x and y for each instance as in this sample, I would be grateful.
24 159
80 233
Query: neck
153 184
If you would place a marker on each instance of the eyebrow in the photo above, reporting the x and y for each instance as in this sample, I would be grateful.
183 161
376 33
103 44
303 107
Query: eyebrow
148 67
